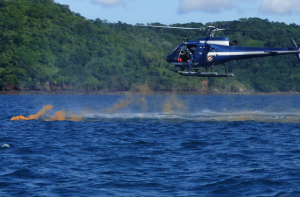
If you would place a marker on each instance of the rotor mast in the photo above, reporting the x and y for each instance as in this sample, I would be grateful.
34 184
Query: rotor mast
212 32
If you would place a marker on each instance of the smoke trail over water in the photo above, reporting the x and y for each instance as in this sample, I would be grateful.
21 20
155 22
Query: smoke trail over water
119 105
62 115
35 116
59 115
124 103
173 103
174 108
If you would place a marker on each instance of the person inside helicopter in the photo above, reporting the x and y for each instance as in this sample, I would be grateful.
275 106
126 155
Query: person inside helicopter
190 58
183 54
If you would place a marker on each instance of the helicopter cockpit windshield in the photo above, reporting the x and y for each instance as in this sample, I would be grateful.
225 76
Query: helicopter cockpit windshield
177 49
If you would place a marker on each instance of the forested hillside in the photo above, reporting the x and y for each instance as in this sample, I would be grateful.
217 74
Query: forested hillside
44 45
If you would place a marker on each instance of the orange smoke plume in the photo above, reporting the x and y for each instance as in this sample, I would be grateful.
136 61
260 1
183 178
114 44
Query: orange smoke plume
168 107
172 103
145 90
35 116
61 115
121 104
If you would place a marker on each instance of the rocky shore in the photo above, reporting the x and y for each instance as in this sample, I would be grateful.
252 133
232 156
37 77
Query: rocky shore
66 92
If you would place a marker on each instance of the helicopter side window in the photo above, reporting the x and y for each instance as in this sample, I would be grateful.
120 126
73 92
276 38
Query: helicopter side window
183 49
192 48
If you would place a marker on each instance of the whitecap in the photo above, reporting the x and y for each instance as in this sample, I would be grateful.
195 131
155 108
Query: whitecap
5 146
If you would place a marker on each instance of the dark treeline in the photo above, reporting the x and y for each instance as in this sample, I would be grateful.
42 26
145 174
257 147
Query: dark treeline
44 45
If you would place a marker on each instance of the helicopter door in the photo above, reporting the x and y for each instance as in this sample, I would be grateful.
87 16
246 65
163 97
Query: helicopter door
201 53
183 55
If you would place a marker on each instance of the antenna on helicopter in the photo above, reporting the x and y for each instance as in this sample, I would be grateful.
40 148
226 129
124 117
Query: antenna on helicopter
210 29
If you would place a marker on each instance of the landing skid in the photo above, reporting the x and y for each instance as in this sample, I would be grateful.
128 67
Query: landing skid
204 74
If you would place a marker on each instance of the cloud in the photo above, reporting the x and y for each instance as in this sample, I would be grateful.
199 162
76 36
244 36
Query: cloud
215 6
277 7
109 2
281 7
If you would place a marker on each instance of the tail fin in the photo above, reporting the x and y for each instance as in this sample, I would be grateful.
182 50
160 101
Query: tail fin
298 48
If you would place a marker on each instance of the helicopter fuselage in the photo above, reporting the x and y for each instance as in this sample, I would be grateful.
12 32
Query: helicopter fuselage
210 51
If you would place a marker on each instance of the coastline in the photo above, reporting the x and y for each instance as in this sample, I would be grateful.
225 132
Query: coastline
65 92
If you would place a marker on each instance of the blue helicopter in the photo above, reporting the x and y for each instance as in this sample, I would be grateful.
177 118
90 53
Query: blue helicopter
211 51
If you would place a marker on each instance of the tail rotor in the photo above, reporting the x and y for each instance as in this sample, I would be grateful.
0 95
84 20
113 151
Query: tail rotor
298 48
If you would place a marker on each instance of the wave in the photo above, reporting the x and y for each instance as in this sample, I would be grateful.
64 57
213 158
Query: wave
205 115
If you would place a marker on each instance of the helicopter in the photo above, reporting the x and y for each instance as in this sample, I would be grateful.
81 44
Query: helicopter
212 51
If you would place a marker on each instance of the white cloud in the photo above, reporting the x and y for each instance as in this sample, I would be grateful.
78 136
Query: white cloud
109 2
281 7
215 6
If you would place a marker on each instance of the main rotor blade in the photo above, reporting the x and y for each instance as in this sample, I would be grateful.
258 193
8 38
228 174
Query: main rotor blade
228 24
236 30
293 41
170 27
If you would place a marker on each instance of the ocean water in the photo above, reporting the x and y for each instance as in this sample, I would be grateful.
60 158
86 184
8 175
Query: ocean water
90 145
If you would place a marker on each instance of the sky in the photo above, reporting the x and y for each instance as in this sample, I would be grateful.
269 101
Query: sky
185 11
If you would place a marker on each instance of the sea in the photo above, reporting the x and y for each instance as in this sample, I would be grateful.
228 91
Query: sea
150 145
